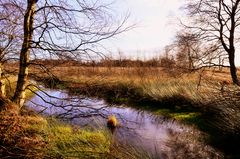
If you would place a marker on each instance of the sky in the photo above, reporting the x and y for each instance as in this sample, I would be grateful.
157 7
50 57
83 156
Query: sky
156 26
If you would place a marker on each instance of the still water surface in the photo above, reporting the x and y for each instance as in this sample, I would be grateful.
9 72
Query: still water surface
137 128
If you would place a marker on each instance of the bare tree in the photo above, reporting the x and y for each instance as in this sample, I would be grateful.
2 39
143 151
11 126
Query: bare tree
216 22
187 50
62 29
167 60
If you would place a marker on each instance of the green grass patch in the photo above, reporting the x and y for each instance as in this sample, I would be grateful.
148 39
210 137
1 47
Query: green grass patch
66 141
189 117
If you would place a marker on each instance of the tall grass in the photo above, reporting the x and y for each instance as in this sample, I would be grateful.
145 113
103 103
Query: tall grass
156 88
154 81
224 122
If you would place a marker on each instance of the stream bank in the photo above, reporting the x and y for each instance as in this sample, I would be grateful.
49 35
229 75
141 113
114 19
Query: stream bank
155 135
210 116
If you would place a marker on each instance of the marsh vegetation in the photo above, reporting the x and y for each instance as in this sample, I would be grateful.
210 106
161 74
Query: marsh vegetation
62 97
194 101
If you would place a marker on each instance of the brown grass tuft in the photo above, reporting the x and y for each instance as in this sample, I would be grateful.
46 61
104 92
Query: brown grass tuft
112 121
16 141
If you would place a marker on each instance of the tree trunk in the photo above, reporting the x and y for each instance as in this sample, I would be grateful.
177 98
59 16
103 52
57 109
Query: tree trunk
2 83
220 63
233 69
19 96
190 61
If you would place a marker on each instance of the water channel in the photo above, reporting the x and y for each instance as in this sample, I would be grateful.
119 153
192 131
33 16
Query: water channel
142 129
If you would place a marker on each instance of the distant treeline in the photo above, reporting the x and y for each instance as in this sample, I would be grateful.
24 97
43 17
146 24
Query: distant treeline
160 62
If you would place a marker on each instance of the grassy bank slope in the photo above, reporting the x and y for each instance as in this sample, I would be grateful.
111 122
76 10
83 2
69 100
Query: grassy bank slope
27 135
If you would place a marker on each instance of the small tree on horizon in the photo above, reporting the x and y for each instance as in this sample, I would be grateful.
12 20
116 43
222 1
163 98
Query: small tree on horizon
187 50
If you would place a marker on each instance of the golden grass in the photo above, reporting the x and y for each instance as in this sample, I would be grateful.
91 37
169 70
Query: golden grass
155 82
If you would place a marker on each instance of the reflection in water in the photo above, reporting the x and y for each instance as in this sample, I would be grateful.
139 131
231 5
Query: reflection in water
140 129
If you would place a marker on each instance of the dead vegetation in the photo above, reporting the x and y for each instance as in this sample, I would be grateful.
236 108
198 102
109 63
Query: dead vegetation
18 138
